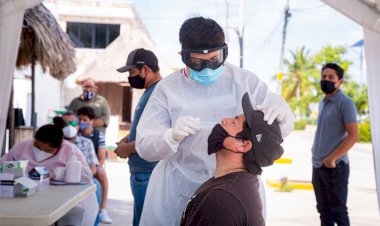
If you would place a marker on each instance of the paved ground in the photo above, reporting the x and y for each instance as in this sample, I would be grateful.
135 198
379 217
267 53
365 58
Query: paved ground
296 208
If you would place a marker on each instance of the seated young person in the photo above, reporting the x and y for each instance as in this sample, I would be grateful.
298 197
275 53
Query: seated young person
242 146
49 149
86 116
70 133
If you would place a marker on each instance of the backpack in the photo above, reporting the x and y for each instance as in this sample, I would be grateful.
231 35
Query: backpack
95 140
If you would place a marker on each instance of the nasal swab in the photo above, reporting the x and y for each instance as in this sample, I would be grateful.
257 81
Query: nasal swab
209 122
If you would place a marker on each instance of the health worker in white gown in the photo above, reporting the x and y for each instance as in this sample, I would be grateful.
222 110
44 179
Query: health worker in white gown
182 111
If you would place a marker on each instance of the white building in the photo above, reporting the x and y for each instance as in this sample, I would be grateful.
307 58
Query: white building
92 26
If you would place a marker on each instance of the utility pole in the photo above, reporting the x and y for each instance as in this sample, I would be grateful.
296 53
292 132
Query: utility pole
360 44
287 14
227 20
240 31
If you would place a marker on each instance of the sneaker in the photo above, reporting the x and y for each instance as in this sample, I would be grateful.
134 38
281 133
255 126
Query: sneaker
104 217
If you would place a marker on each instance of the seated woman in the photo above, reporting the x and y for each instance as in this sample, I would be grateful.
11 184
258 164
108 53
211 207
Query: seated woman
49 149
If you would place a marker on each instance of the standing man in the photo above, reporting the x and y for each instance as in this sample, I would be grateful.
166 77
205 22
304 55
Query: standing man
336 133
144 73
90 98
232 196
182 111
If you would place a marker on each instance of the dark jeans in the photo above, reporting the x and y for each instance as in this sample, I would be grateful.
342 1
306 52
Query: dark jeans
331 188
139 184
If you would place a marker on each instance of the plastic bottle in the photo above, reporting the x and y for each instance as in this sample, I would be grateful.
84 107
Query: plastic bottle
73 170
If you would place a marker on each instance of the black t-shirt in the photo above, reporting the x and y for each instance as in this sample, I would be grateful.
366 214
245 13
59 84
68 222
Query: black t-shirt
233 199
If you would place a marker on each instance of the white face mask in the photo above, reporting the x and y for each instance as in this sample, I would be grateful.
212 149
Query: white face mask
70 131
40 155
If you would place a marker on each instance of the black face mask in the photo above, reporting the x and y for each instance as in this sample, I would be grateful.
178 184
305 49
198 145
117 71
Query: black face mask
137 82
216 138
327 86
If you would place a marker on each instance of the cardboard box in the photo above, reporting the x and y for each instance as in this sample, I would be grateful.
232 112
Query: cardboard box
7 189
40 175
25 186
10 187
18 168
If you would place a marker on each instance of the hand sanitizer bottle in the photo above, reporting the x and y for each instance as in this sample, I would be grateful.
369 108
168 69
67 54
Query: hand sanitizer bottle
73 170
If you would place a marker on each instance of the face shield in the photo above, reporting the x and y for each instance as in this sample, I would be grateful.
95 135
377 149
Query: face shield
198 64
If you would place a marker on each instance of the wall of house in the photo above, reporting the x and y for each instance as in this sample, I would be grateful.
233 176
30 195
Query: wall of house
47 95
106 12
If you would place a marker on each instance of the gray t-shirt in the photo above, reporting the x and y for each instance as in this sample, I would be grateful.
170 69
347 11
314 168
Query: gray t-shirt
334 113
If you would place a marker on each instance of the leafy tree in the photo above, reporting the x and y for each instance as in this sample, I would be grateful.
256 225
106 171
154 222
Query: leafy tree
301 85
296 83
329 54
359 95
350 87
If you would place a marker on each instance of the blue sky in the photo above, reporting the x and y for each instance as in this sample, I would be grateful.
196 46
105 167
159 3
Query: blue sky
312 25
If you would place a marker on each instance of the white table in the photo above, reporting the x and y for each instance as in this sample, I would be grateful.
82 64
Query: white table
43 207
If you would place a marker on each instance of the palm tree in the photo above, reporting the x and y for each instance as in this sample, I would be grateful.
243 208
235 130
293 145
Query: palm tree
297 84
359 95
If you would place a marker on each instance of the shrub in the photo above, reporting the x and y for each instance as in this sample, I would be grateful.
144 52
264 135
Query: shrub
300 125
311 121
364 132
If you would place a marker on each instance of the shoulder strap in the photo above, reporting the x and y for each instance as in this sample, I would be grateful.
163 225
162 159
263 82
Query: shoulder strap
95 140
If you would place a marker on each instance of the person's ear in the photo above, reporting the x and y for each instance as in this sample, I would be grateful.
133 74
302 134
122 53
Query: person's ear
144 71
237 145
246 146
340 82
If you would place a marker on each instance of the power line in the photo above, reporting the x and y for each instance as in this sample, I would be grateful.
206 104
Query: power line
287 15
308 9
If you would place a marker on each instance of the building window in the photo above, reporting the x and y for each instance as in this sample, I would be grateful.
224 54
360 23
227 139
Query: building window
87 35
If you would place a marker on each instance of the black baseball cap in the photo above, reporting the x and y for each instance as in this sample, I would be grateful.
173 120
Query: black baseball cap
139 57
266 138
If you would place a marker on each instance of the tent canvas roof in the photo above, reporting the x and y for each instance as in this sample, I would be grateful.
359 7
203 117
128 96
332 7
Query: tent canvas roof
103 68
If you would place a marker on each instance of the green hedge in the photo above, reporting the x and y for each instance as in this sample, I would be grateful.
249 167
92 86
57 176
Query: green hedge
364 132
300 124
311 121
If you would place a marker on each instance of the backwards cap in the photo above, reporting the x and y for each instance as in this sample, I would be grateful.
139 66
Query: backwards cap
266 138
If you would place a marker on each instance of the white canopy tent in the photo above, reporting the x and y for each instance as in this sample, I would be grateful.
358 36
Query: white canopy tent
364 12
11 18
367 14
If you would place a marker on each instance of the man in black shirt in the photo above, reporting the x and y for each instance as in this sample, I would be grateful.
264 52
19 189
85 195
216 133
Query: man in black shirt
242 146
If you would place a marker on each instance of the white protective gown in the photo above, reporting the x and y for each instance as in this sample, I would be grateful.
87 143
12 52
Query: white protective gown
184 166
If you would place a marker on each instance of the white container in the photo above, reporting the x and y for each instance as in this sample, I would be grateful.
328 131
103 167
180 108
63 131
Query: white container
73 170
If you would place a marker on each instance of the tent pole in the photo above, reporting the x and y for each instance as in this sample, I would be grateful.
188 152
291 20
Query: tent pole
33 115
11 120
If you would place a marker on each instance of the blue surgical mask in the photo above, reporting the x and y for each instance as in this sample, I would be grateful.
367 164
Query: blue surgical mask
84 125
207 75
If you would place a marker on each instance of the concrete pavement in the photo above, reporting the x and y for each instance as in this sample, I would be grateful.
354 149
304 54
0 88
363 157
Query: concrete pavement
296 208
